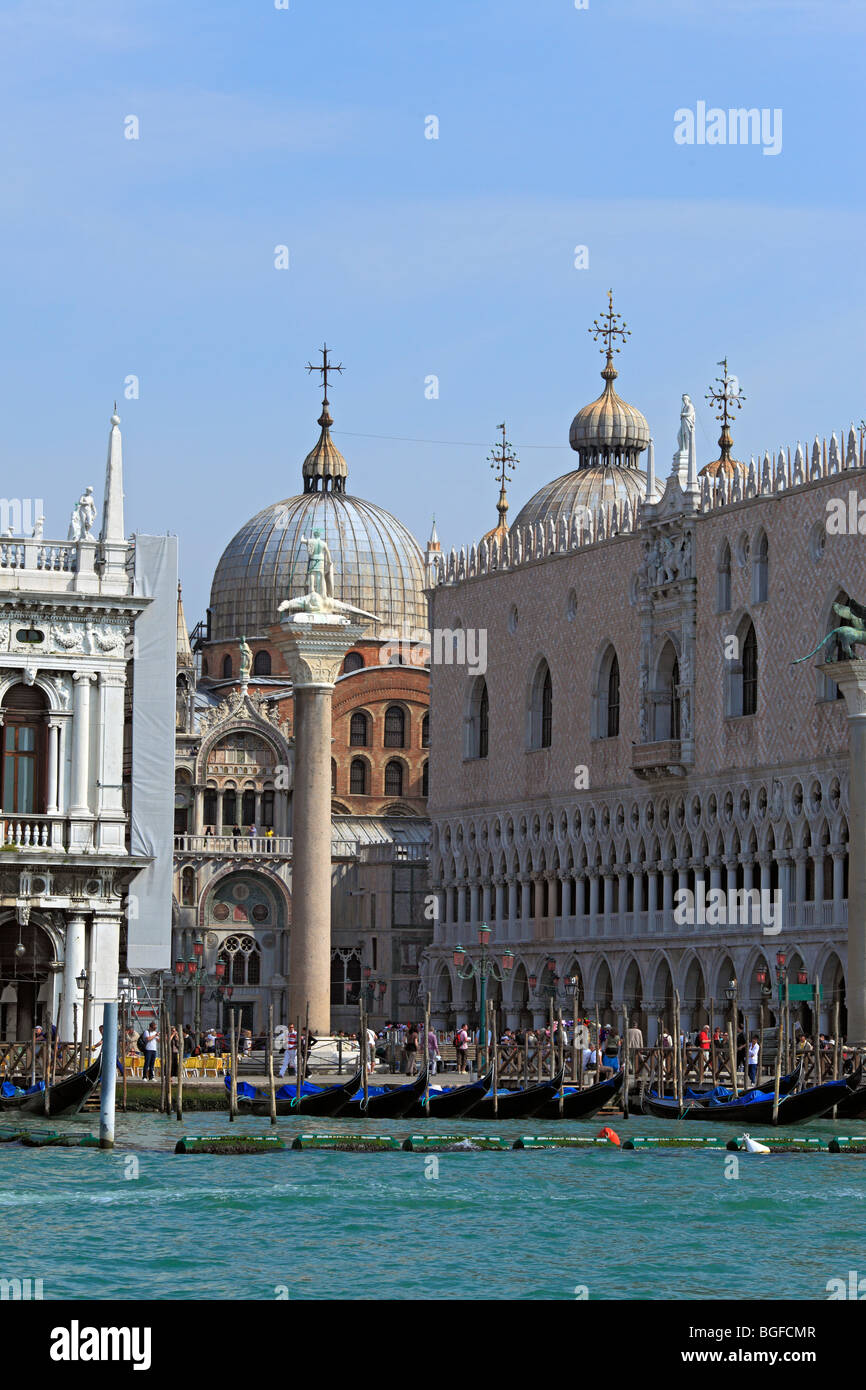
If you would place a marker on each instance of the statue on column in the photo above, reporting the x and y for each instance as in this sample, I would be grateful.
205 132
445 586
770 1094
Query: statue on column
246 661
687 425
320 566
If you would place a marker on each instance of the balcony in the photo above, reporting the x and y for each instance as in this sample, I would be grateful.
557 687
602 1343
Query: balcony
656 761
241 846
34 834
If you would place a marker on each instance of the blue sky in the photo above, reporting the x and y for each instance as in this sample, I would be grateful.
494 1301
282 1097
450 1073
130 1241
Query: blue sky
413 257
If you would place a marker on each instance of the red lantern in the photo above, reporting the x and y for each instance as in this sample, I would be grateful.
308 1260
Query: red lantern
780 959
367 972
533 981
191 967
459 955
220 968
484 935
180 967
382 987
229 991
802 977
761 977
551 963
198 948
507 960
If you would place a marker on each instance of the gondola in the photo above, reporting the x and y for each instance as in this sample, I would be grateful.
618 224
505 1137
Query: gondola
853 1105
702 1095
582 1105
313 1100
451 1102
518 1105
387 1103
65 1097
755 1107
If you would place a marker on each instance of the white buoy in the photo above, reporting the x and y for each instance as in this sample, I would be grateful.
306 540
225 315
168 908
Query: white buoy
753 1147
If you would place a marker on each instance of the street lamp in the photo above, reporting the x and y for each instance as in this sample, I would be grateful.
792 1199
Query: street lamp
482 968
81 980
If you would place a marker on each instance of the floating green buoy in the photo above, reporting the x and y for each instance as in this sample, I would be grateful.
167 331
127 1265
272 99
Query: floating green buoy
229 1144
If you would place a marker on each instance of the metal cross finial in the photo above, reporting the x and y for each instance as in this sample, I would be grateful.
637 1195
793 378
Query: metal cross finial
325 368
611 326
727 396
503 458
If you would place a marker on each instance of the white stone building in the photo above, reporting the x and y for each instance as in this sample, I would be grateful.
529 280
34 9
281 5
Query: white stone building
87 714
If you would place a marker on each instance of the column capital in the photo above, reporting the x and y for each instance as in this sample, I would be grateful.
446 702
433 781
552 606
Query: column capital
85 676
313 646
850 676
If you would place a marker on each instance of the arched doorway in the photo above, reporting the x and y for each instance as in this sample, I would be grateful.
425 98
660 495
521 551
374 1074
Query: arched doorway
26 957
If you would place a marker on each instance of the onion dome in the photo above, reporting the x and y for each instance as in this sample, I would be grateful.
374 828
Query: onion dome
503 459
324 463
378 564
726 396
609 430
609 435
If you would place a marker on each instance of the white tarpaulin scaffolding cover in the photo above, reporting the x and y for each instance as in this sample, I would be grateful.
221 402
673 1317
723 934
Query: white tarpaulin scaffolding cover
153 726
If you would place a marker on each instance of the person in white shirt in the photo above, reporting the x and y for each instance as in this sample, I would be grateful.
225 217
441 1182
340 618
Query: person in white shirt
754 1051
290 1056
150 1043
371 1049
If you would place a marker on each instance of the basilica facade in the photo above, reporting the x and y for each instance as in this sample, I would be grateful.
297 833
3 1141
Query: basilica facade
641 794
235 763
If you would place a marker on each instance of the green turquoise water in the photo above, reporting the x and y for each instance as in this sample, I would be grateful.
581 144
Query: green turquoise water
666 1224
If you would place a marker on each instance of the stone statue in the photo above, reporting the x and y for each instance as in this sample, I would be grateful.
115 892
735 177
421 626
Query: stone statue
246 661
37 529
687 425
848 636
320 566
86 512
83 517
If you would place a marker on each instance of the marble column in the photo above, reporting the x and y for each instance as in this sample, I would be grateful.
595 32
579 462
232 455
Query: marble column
81 743
53 763
73 966
313 645
850 677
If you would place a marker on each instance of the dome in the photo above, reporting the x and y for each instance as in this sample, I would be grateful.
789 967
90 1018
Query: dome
585 488
378 564
608 435
609 429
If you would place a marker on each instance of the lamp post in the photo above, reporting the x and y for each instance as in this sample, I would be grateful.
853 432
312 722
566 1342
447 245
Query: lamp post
483 967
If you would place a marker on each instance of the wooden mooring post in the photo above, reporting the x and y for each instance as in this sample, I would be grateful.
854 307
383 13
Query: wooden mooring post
272 1089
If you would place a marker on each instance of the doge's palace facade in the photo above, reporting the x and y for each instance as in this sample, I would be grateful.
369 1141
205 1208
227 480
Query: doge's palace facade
640 730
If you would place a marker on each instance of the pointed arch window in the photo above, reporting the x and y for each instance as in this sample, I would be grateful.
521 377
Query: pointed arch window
760 570
540 725
750 671
547 710
483 722
675 700
723 604
613 699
